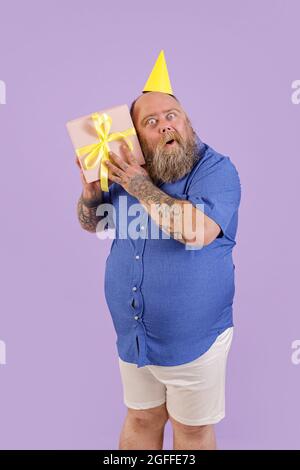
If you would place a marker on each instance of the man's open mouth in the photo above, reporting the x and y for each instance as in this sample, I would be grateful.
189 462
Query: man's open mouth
170 142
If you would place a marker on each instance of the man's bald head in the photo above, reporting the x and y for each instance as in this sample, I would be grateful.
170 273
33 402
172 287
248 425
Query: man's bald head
138 99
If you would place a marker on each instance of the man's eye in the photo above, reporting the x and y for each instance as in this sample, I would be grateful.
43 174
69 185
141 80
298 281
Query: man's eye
149 120
171 114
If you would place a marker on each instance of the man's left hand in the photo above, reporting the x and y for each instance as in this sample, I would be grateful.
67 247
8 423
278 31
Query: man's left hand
126 171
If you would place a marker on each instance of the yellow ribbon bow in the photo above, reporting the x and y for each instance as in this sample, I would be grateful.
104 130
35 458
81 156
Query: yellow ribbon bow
99 151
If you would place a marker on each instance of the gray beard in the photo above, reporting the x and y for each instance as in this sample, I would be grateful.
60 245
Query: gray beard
167 166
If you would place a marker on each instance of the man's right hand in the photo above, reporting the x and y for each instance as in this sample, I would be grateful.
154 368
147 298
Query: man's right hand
90 191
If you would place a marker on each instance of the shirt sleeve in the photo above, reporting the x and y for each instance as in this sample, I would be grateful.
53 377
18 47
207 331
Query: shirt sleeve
217 187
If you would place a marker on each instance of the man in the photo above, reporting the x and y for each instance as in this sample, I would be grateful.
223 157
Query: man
170 298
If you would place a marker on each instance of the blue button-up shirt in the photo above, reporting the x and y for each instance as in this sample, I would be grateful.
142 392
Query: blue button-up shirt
168 303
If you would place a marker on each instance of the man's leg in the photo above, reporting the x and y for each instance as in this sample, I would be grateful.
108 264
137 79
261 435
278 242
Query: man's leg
186 437
195 397
144 429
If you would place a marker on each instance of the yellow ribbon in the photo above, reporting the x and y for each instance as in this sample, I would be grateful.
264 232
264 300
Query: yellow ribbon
98 152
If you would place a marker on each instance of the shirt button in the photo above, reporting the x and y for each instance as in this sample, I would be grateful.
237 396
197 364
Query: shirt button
142 227
136 317
137 257
134 288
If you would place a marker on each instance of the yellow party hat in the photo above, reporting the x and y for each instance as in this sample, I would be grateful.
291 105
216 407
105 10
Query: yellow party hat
159 78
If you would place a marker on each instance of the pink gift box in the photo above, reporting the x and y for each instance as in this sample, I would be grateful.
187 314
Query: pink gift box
83 132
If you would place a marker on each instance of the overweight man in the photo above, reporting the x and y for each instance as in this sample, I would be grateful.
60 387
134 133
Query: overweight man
169 291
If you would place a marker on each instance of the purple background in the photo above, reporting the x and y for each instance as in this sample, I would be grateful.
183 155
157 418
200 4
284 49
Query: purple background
231 64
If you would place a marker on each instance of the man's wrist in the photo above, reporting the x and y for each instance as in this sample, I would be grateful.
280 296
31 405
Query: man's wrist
91 203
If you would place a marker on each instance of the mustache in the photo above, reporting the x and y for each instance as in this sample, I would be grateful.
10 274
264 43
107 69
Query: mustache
170 136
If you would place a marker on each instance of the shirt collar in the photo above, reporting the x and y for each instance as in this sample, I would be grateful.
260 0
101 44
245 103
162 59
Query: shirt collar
201 146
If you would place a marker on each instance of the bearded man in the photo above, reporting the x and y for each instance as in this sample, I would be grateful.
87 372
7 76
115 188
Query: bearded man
170 296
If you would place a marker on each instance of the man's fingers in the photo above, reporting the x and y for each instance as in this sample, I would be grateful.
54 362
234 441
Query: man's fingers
114 158
113 168
130 157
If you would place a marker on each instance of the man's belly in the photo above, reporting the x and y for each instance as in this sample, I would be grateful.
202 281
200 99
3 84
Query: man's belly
172 296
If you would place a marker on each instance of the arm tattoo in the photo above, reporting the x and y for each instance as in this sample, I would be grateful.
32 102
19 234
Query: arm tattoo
87 216
159 204
145 190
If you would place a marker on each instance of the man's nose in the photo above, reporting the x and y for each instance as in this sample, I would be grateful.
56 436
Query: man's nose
167 128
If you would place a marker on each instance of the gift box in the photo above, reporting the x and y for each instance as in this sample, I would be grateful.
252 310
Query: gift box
94 135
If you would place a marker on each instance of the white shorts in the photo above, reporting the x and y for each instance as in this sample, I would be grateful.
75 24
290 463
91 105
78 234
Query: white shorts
194 392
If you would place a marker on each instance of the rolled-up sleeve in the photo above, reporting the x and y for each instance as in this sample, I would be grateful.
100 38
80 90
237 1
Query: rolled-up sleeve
217 190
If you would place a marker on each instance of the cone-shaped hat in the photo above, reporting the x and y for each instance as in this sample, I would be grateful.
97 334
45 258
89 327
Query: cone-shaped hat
159 78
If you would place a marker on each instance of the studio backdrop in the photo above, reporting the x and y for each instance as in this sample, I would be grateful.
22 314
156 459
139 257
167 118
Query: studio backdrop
235 69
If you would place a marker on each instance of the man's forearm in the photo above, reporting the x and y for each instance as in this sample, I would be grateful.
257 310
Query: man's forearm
175 217
87 215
